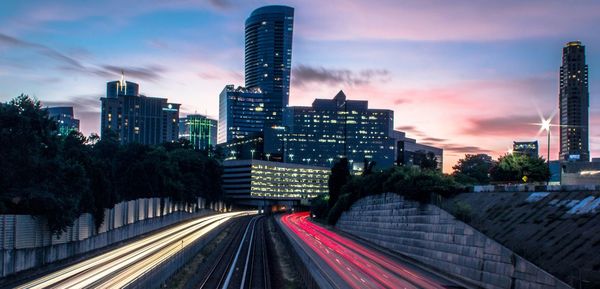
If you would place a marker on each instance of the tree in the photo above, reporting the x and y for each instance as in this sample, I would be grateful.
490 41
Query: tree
511 168
340 174
473 169
428 161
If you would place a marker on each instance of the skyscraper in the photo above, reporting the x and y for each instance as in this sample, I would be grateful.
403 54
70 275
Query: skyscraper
574 100
269 57
121 87
138 118
241 113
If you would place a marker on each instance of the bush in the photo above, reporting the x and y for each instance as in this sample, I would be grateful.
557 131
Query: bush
413 183
319 207
462 211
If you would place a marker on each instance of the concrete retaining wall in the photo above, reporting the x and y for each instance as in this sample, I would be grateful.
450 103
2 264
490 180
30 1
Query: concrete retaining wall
432 236
27 243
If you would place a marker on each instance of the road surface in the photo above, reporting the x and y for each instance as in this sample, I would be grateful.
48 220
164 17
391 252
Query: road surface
348 264
125 264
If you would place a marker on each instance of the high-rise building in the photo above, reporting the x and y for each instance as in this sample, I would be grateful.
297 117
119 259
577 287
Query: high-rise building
574 100
268 60
138 118
65 119
331 128
529 148
121 87
241 113
200 130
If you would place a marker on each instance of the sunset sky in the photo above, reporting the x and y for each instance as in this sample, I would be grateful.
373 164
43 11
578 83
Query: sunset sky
468 76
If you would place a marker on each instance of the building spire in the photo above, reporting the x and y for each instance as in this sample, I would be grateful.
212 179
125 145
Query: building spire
123 83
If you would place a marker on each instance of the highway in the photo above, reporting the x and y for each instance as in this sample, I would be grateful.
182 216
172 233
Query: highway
242 262
123 265
348 264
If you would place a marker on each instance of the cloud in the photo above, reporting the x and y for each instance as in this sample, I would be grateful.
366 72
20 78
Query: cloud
464 149
221 4
152 72
433 140
440 20
510 125
13 42
304 74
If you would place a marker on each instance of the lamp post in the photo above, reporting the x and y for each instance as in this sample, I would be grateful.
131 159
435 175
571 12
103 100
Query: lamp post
292 157
330 160
268 157
546 127
252 151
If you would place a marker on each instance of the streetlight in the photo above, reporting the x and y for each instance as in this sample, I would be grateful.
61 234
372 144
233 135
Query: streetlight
546 126
330 160
268 156
252 151
292 157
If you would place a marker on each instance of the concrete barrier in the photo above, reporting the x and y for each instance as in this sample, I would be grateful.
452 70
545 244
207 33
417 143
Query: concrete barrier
26 242
435 238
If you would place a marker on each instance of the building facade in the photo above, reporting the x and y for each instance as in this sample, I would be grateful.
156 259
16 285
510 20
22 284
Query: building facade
138 118
257 181
241 113
268 57
529 148
331 128
574 101
411 153
200 130
63 115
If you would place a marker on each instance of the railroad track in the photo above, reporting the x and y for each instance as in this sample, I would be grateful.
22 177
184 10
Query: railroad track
243 262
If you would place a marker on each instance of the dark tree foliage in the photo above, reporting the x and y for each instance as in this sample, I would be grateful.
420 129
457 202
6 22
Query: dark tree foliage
511 168
428 162
412 182
340 174
58 178
473 169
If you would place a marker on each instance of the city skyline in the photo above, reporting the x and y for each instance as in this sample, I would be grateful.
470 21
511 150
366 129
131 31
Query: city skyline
449 83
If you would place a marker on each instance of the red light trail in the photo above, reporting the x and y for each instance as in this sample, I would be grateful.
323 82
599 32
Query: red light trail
358 266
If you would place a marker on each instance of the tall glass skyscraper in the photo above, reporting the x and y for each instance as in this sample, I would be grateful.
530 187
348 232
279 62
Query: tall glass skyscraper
269 57
574 103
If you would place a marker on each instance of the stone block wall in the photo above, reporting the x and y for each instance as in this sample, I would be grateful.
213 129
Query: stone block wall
435 238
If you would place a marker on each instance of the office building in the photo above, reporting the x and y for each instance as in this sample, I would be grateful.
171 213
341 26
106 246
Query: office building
411 153
257 182
200 130
241 113
574 102
529 148
268 57
63 115
121 87
331 128
138 118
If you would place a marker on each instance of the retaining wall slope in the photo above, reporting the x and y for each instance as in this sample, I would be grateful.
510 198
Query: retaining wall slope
435 238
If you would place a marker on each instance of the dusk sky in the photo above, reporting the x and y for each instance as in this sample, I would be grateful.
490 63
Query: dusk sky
468 76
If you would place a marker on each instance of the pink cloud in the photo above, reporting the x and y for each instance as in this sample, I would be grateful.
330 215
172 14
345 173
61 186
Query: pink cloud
444 20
